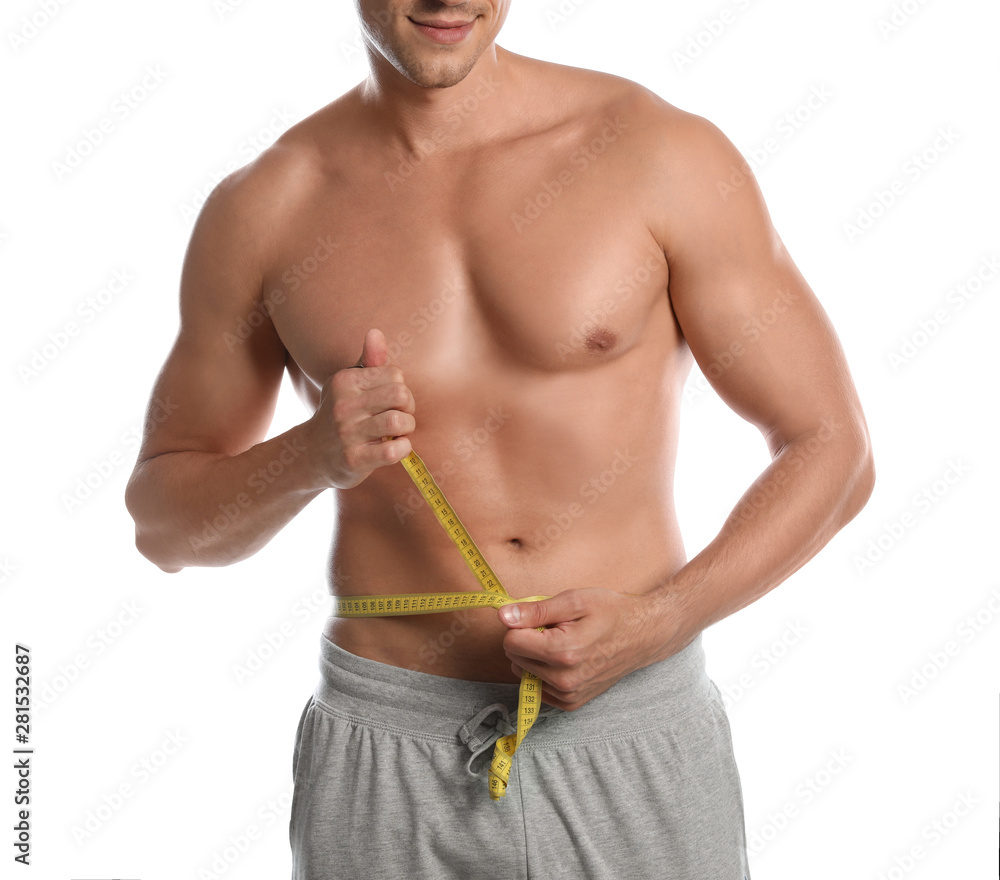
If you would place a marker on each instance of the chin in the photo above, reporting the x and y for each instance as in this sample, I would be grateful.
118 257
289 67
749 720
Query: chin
436 76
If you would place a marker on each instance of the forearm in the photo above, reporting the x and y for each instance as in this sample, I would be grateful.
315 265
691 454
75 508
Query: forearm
813 487
200 508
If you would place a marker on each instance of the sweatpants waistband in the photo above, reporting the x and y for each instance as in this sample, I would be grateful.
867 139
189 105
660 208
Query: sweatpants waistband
434 705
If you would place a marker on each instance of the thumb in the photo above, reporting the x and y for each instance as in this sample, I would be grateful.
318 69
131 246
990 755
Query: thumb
545 612
375 352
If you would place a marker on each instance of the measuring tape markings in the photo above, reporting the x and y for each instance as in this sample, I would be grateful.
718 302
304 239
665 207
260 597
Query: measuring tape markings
402 604
494 596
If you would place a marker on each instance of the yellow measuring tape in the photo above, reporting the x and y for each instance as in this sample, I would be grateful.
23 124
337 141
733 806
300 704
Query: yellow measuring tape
529 695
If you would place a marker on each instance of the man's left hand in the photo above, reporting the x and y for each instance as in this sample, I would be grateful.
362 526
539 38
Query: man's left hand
592 638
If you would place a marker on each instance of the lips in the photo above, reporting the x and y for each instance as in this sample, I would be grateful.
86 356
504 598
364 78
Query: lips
441 31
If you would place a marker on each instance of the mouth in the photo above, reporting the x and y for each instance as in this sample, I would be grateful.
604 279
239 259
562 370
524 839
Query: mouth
441 31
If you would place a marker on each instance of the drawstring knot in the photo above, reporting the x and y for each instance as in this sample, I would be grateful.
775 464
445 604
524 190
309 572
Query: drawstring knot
481 732
481 741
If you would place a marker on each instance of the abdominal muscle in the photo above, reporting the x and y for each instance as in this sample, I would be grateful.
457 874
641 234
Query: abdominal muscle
625 538
563 478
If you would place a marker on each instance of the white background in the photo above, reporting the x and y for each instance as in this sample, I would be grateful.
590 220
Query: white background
860 770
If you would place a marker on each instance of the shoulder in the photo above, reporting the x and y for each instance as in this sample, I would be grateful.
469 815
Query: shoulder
663 137
289 170
682 169
684 175
250 209
671 141
281 173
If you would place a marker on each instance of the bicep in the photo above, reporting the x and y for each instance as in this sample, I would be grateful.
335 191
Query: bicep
755 328
218 387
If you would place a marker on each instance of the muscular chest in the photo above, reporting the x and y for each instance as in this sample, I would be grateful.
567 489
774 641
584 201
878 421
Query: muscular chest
530 264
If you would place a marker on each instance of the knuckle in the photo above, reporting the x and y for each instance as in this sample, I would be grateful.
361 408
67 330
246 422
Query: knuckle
564 657
341 380
342 410
394 423
352 459
403 448
565 682
400 397
388 453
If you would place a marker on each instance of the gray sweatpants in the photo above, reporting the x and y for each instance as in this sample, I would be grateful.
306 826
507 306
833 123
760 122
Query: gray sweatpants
390 779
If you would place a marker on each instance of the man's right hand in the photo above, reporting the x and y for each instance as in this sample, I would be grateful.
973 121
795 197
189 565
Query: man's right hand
357 409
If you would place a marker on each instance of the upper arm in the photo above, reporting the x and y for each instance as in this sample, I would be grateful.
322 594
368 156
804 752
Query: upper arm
754 326
217 389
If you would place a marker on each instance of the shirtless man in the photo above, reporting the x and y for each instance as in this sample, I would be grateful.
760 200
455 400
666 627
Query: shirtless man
524 260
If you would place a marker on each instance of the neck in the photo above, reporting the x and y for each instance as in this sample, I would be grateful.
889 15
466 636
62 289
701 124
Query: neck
462 114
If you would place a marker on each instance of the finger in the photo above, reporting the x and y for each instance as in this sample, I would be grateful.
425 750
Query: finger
370 378
547 697
385 398
550 694
561 608
375 351
367 456
387 424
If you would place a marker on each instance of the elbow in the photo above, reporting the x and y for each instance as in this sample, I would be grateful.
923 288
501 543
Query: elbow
860 482
153 551
146 541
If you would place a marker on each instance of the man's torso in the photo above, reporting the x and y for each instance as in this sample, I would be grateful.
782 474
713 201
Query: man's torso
524 297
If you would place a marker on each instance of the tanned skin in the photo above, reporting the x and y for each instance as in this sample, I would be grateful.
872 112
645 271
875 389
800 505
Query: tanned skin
533 356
